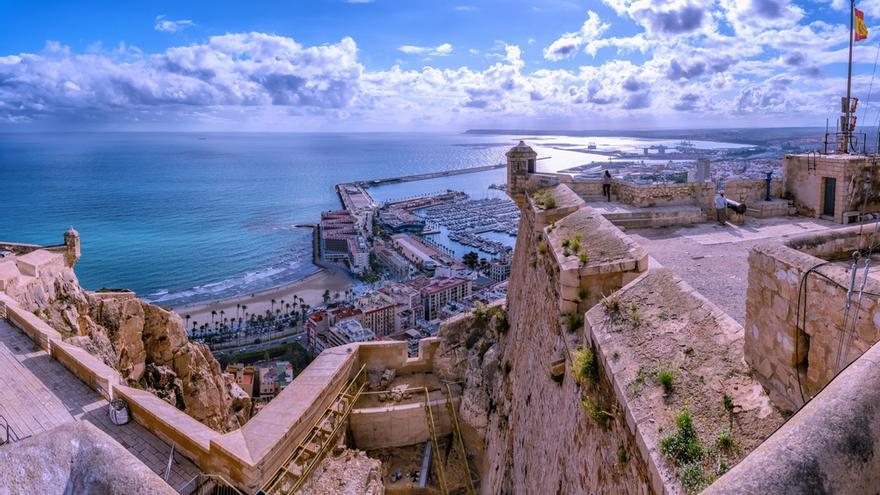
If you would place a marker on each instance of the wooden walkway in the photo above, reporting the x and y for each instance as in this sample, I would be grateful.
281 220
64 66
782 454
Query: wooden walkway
37 394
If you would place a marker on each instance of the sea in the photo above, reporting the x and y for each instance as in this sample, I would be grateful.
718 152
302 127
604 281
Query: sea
182 218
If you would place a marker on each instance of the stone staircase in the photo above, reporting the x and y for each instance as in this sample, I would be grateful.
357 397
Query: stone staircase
627 216
311 451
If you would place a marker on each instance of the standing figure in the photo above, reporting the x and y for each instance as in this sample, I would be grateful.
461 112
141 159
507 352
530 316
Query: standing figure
606 185
721 208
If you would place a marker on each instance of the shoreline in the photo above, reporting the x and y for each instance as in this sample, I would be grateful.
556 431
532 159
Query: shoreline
309 288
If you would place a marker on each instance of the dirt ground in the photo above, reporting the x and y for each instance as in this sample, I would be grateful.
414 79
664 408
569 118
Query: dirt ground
408 460
714 259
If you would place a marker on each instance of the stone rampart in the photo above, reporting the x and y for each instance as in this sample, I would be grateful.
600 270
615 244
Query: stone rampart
525 451
659 324
251 455
400 424
797 347
701 194
751 190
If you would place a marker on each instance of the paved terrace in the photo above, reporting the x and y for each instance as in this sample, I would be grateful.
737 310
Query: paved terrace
37 394
714 259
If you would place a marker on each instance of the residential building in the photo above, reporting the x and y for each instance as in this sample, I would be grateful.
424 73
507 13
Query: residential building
245 377
378 314
438 291
346 332
499 269
414 251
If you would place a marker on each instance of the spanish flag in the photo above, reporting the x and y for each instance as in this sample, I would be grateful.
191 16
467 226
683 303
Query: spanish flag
861 29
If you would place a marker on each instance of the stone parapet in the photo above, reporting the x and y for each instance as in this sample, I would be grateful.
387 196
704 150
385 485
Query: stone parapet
701 194
752 190
829 446
251 455
798 337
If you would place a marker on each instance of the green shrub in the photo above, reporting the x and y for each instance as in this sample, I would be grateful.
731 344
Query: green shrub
728 403
574 321
611 304
596 411
584 258
682 445
666 378
724 441
549 203
582 294
584 366
693 479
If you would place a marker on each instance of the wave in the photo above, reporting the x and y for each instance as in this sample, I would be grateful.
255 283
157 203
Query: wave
282 273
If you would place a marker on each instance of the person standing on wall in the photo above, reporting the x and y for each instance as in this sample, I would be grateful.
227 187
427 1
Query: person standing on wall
606 185
721 207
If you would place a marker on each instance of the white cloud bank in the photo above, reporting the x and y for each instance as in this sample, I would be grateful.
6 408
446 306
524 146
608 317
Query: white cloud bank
689 75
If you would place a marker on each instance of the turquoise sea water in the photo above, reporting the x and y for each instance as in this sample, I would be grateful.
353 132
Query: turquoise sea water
186 217
194 216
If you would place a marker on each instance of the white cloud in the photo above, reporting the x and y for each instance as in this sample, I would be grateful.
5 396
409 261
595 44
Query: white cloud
570 43
171 26
436 51
259 81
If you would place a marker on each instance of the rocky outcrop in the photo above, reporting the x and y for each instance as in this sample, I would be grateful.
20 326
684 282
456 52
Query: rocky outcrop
472 352
147 344
75 457
347 472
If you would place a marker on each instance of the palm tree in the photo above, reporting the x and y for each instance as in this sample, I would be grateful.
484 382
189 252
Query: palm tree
237 307
273 305
186 317
222 314
194 324
326 296
213 314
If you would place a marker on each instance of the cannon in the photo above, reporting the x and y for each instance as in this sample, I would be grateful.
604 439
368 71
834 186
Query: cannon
736 206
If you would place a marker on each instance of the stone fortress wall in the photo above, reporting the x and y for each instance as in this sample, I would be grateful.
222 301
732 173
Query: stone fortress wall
797 349
547 426
827 445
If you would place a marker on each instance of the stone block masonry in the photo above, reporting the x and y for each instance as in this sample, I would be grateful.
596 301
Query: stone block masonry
796 349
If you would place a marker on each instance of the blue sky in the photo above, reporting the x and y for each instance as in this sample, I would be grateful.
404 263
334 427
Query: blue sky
419 65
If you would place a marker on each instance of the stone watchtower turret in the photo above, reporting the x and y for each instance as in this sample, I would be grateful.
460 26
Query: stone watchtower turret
73 252
520 163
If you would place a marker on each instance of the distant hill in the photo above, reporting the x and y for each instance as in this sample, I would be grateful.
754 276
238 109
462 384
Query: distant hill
755 136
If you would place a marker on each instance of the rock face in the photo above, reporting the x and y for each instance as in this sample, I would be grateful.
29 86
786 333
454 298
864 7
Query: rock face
348 472
75 457
470 352
145 343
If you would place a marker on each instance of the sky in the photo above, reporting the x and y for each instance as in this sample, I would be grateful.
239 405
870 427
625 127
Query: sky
413 65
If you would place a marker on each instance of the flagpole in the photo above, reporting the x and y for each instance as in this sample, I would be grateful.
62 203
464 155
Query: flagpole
847 132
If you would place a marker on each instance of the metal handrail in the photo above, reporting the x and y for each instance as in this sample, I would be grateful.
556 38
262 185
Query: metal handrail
351 392
456 429
11 435
209 484
441 475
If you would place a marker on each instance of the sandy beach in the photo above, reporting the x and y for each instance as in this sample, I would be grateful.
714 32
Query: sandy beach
310 289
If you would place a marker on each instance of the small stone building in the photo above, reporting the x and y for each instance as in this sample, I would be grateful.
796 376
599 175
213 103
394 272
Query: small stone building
833 186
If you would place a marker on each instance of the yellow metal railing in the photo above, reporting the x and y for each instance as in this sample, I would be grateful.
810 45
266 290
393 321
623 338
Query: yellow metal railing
291 476
438 461
459 440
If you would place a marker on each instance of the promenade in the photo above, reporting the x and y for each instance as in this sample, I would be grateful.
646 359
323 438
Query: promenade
37 394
